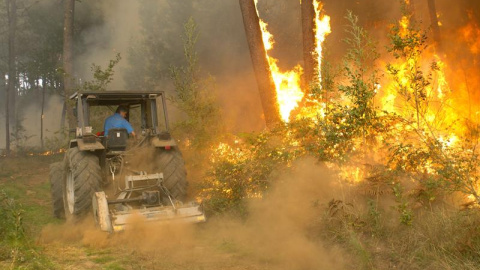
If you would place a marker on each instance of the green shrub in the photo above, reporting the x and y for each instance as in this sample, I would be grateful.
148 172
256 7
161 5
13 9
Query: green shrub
12 234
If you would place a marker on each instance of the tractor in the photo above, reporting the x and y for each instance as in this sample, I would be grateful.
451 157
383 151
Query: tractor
117 177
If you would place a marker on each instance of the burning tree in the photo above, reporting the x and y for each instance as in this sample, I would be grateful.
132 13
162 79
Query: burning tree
370 129
308 25
436 148
260 64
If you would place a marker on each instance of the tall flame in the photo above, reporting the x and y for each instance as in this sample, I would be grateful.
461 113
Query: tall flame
322 29
288 83
440 112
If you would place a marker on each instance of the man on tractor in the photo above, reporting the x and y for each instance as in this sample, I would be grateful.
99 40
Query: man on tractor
118 120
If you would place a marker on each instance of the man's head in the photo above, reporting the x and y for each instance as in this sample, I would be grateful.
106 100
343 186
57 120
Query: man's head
122 110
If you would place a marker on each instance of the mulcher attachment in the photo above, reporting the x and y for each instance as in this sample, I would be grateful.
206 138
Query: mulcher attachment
144 195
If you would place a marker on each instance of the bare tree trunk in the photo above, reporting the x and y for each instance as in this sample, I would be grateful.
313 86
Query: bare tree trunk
308 25
10 116
266 86
7 122
432 9
42 110
68 77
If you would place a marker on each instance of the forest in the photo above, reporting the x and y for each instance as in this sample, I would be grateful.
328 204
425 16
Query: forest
316 134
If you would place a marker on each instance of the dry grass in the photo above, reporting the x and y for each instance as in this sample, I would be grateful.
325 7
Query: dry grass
439 237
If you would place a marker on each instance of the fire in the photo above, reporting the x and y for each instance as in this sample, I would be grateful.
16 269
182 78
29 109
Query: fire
48 153
322 29
440 113
439 21
471 34
313 108
228 153
442 84
448 142
404 23
288 83
421 93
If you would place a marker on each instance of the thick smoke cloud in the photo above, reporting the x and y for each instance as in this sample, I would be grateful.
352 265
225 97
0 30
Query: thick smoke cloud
121 25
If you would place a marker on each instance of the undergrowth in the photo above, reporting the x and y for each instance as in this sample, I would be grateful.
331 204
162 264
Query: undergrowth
444 238
16 247
399 215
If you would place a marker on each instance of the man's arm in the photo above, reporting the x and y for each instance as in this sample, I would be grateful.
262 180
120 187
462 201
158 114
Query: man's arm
129 128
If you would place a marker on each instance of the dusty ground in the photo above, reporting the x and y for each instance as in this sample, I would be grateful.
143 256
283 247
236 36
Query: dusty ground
217 244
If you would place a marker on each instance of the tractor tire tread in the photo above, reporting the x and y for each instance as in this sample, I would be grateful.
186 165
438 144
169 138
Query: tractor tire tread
171 163
87 178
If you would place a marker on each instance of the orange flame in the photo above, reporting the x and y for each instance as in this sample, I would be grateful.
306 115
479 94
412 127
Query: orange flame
322 29
471 34
287 84
442 111
47 153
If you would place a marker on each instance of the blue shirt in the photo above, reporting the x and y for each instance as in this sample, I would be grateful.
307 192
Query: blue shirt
117 121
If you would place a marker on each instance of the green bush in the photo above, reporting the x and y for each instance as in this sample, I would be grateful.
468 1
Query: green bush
246 167
12 234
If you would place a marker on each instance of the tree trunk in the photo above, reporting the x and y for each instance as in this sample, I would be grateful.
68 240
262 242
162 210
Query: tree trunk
266 86
7 122
68 76
4 101
11 93
44 89
309 59
432 9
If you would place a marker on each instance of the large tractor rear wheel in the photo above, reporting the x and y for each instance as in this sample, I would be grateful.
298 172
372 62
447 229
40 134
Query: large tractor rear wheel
171 164
57 175
82 179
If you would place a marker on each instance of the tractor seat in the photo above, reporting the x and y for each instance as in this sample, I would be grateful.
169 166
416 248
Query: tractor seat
117 139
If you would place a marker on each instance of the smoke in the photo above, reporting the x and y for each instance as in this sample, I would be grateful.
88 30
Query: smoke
154 30
29 118
277 234
120 26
